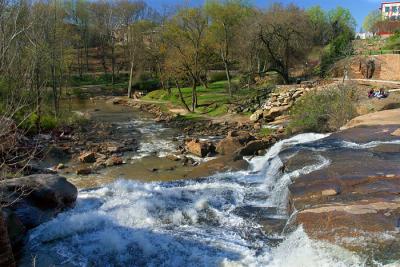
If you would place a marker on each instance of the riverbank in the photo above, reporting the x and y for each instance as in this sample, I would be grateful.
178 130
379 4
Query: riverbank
268 184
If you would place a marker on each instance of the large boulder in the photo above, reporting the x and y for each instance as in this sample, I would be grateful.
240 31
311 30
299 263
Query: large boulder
31 201
44 191
233 142
270 115
199 148
252 147
353 202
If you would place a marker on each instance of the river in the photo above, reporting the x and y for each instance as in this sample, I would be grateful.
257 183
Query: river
222 220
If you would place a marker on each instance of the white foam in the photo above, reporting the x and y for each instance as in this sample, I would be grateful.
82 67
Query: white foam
372 144
186 223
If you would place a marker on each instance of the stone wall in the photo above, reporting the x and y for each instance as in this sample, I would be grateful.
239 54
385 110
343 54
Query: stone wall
278 103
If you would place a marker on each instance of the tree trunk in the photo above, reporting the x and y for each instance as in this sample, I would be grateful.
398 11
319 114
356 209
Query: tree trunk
204 83
181 96
6 255
130 81
194 96
228 77
113 61
38 99
54 88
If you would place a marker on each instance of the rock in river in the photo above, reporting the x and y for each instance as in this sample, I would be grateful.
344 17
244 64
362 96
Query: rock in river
87 157
200 148
33 200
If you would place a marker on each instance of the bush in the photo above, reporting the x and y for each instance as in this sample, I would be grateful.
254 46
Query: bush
265 132
217 76
47 123
234 87
324 111
393 42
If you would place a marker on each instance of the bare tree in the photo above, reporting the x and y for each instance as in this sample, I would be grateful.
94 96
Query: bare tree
186 36
285 34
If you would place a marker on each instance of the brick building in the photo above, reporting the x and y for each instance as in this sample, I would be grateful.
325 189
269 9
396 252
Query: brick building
390 10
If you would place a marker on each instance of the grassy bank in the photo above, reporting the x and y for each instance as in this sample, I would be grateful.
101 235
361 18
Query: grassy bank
213 101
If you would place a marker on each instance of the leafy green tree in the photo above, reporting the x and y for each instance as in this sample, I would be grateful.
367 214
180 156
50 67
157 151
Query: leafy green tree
342 31
320 25
226 17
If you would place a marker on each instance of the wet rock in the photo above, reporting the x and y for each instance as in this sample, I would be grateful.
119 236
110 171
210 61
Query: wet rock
114 161
199 148
218 165
87 157
233 142
396 132
353 201
60 166
83 171
173 158
32 200
42 190
252 147
329 192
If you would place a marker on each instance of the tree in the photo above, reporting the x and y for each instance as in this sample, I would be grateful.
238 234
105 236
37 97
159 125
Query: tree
136 38
78 14
185 34
342 31
285 34
225 16
371 20
320 25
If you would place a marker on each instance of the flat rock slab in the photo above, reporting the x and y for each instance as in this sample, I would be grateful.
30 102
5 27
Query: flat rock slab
354 201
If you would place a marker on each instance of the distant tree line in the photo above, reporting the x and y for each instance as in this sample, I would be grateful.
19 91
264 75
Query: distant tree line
44 43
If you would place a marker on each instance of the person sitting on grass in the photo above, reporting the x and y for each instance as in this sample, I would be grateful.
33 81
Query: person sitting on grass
381 94
371 93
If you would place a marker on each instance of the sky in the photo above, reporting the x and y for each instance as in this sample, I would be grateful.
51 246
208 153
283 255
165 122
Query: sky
359 8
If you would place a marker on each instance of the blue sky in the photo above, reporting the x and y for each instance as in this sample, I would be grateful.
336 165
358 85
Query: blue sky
359 8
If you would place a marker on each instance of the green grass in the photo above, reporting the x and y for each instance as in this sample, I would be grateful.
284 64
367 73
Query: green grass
212 101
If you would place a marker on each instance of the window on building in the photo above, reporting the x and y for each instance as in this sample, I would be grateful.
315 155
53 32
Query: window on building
387 9
394 9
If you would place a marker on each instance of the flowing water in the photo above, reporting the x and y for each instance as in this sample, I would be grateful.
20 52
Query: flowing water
188 223
216 221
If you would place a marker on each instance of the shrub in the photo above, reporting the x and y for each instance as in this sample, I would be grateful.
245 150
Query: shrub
217 76
47 122
324 111
234 87
393 42
265 132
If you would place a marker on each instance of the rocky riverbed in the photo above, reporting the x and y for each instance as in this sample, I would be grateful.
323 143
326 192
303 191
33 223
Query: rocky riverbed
230 198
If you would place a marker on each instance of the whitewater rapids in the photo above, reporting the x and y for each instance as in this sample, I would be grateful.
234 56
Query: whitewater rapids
187 223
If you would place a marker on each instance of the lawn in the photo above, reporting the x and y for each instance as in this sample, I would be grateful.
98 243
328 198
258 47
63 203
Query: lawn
212 101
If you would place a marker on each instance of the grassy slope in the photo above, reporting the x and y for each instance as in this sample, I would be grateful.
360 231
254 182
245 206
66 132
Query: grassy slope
212 101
